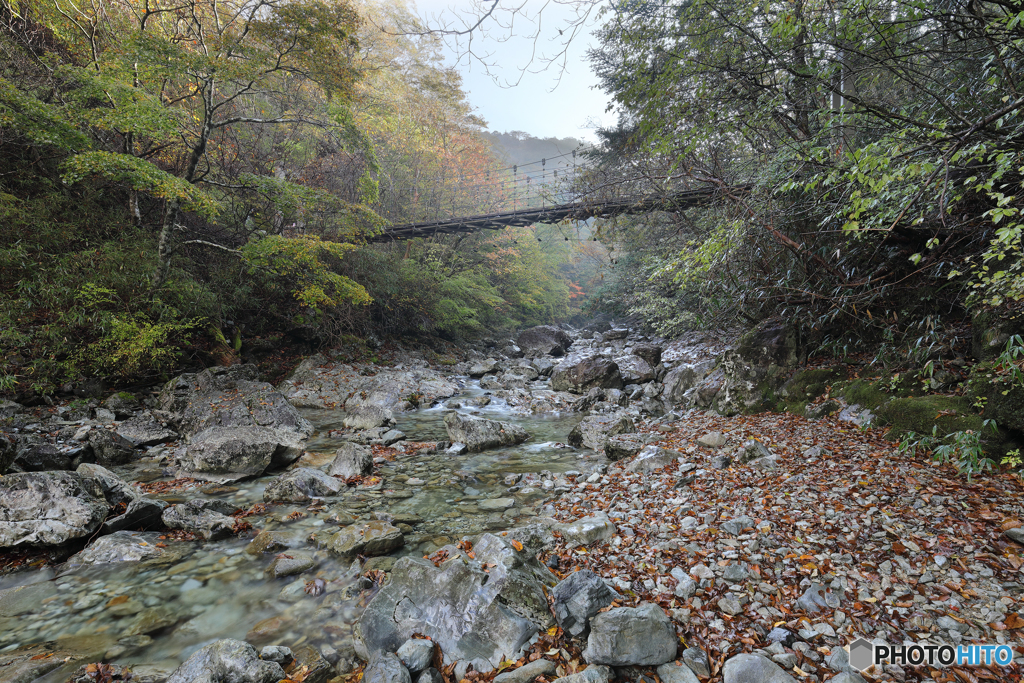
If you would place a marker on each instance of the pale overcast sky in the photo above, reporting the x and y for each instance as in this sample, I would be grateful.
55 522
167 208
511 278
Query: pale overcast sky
540 104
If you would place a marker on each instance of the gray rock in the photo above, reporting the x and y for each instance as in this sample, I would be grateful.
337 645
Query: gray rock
848 677
593 431
318 669
140 512
492 504
635 370
416 654
649 352
368 417
431 675
391 436
818 598
289 564
681 379
122 404
35 454
753 449
227 661
592 674
577 598
697 660
586 374
8 452
631 636
544 340
475 617
730 605
386 668
121 546
652 458
713 440
206 524
622 446
781 635
786 660
720 462
528 672
676 672
370 538
615 333
735 572
748 668
736 525
483 367
48 508
587 530
20 600
457 448
351 460
479 434
512 351
231 397
276 653
301 485
269 542
236 453
1016 535
145 431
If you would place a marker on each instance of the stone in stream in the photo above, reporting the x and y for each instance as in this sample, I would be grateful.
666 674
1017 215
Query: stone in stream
483 367
318 669
276 653
586 374
749 668
140 512
593 431
110 448
577 598
230 454
229 661
368 417
544 340
479 434
301 485
351 460
121 546
271 541
631 636
475 617
289 565
48 508
370 538
192 517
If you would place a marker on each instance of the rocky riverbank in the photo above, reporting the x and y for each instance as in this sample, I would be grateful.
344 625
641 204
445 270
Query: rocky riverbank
338 519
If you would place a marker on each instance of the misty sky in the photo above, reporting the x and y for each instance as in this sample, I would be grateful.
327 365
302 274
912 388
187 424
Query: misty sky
540 104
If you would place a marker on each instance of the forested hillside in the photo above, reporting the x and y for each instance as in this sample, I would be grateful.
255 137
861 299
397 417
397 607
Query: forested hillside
179 182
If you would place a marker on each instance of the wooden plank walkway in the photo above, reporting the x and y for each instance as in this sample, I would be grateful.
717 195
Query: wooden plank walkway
574 211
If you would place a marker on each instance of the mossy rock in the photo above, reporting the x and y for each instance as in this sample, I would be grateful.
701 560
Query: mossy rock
990 328
808 384
921 414
771 343
1003 403
865 393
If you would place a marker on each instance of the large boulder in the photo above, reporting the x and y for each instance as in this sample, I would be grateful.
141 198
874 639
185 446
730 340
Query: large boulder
578 598
137 511
110 448
351 460
48 508
475 616
593 431
631 636
635 370
586 374
479 434
36 454
301 485
368 417
235 453
146 430
682 379
230 398
227 661
649 352
544 340
484 367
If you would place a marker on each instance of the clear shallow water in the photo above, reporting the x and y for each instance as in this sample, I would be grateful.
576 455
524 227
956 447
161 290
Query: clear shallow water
156 613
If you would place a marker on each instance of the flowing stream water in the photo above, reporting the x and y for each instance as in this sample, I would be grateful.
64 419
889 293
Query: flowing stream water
155 613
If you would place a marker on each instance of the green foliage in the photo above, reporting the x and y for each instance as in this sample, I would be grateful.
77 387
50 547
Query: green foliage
309 263
137 174
963 448
135 345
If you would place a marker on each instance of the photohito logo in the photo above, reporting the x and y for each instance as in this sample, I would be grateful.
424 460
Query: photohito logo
864 654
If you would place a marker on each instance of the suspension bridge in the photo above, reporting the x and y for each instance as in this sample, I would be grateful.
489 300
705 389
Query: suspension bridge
576 211
544 191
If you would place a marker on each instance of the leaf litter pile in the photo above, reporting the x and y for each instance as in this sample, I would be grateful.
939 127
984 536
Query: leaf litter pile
894 547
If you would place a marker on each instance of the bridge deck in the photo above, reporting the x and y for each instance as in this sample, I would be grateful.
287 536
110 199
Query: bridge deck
552 214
